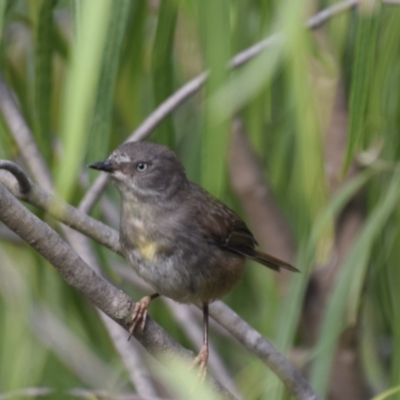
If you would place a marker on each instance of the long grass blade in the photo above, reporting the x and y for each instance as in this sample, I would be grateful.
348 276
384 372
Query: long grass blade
163 66
101 125
43 77
363 66
81 90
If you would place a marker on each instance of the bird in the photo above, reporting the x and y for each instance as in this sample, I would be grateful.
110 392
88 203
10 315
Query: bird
185 243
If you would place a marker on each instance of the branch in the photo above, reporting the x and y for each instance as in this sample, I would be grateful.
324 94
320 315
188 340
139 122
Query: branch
27 392
64 213
103 394
193 86
264 350
24 183
114 302
23 136
77 392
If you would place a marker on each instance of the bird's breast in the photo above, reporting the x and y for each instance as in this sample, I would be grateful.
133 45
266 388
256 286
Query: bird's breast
136 230
137 237
147 249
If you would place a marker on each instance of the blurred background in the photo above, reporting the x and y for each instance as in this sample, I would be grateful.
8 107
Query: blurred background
301 140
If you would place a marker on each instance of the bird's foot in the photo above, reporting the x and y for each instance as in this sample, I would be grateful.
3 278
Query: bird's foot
201 361
139 315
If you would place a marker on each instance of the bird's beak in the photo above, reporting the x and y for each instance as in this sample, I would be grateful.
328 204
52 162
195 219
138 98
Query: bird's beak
106 166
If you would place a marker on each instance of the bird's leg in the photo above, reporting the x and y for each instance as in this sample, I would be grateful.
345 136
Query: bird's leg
140 313
202 357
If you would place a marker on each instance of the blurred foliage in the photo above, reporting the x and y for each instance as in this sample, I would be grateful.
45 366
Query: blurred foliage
86 73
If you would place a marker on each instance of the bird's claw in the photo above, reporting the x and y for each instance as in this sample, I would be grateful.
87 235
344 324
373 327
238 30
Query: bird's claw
139 315
201 361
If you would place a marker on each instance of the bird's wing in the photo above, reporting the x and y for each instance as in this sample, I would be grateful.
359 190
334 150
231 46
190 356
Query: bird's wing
222 226
219 224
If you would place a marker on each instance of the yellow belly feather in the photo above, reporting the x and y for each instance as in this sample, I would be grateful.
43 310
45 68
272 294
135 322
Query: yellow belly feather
145 246
147 250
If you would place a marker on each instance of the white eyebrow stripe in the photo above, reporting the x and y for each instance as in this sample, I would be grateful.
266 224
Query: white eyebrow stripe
121 158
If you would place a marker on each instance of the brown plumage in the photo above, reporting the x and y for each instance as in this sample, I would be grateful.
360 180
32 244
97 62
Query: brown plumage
232 234
186 244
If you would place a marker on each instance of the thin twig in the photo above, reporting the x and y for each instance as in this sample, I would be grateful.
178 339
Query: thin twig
23 136
313 23
23 181
27 392
193 86
92 394
93 193
321 17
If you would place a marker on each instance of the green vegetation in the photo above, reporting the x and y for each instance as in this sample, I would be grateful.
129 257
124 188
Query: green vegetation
321 110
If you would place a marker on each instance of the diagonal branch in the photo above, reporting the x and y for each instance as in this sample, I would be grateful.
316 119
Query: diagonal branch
264 350
64 213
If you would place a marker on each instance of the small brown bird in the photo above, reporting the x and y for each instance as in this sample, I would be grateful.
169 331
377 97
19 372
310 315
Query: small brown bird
186 244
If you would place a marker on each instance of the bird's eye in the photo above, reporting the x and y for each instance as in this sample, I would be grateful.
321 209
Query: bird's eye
141 167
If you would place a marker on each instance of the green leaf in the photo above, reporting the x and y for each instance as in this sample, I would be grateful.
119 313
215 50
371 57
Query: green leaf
162 67
363 67
215 31
81 90
3 4
43 77
387 393
100 129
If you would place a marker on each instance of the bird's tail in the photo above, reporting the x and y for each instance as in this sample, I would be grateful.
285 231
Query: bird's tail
271 262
